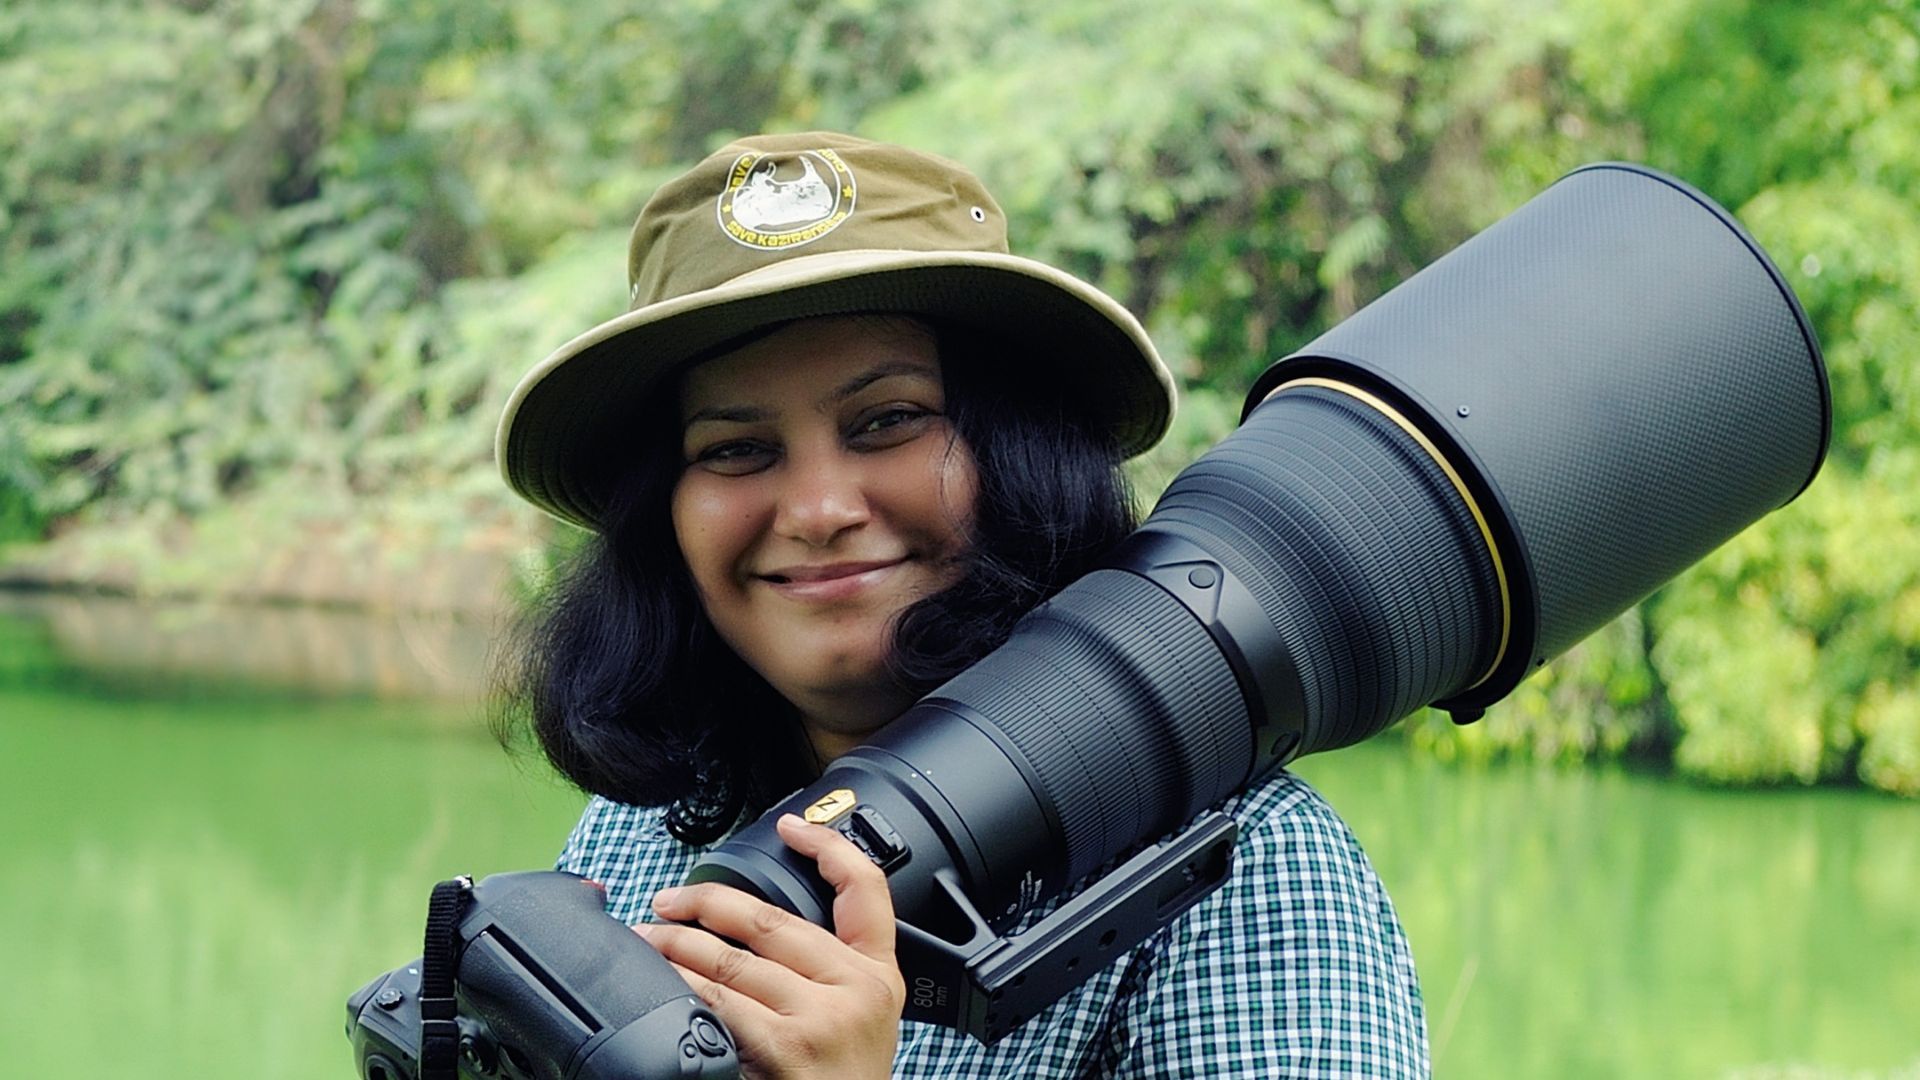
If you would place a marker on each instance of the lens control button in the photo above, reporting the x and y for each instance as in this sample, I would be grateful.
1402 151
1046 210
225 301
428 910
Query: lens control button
874 835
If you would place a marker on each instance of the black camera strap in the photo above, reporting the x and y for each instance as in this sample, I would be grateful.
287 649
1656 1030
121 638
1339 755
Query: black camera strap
439 1033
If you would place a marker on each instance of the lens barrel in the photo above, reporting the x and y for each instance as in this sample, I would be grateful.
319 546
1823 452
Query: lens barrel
1621 375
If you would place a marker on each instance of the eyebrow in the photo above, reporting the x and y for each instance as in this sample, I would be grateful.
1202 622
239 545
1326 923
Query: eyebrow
880 371
739 414
753 414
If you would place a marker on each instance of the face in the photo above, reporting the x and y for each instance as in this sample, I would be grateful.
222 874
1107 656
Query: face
824 491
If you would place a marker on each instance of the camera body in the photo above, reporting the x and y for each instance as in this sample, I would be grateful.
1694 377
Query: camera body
546 986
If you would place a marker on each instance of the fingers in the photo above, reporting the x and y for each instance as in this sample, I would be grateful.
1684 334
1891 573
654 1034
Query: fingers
753 1024
862 904
716 970
788 940
799 999
840 1033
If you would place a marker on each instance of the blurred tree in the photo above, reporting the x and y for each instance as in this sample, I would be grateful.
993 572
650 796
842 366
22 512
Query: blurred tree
1247 177
1791 654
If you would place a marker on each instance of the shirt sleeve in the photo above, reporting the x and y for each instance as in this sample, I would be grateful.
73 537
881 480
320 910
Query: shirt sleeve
1296 967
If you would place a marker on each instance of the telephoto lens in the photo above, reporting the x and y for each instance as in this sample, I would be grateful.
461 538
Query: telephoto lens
1420 507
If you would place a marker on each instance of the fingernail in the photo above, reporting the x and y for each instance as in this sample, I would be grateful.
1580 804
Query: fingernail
645 930
665 897
792 820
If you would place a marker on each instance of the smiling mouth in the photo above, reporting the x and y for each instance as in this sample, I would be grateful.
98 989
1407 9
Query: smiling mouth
835 583
814 575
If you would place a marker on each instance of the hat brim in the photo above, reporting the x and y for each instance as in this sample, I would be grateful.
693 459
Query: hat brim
559 416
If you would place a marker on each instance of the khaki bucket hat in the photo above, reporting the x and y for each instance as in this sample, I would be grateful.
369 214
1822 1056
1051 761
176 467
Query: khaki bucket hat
780 227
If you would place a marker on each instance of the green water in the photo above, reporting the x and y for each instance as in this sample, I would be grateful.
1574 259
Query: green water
1602 924
194 875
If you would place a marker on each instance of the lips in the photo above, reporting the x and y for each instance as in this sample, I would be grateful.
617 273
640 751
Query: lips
825 572
829 581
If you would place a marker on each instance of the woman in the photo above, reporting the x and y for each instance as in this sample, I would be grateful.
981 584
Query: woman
840 443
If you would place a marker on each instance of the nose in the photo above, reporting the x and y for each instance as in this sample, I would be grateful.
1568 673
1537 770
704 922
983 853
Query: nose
823 497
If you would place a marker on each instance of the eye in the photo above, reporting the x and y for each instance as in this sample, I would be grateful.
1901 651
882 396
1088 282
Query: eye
735 457
889 425
887 419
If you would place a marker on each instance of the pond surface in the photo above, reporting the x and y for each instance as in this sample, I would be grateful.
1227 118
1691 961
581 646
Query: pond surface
196 868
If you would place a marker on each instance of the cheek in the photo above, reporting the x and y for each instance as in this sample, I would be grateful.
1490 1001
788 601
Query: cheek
711 531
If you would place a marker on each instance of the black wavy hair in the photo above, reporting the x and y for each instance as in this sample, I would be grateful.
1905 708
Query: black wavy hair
632 695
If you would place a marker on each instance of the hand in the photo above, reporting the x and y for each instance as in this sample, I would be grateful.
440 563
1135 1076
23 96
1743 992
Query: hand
804 1002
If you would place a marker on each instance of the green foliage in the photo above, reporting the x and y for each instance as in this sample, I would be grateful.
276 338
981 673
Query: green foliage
269 266
1245 178
19 520
1789 655
1810 621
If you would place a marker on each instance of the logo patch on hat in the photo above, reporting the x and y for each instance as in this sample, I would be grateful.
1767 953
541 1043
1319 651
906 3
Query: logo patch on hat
783 200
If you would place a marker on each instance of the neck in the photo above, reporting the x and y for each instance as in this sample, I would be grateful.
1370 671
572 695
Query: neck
835 727
828 745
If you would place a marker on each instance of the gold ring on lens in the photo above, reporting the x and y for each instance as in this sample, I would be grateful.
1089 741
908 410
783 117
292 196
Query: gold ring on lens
1486 534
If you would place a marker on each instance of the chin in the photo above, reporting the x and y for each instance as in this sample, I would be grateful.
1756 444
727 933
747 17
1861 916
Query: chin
826 661
851 694
849 676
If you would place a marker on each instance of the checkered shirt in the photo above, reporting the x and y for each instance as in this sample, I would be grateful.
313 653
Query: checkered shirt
1296 967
